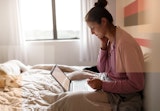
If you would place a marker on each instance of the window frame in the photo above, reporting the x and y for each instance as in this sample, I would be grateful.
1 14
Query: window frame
54 20
54 25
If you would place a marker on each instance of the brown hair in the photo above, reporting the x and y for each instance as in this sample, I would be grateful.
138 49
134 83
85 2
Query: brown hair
99 11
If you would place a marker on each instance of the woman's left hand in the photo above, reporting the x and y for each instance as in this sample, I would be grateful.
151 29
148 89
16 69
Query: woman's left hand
95 83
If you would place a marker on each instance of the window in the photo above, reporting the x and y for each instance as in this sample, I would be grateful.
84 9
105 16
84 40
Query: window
50 19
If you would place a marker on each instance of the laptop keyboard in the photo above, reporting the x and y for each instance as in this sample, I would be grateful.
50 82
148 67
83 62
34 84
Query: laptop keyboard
81 86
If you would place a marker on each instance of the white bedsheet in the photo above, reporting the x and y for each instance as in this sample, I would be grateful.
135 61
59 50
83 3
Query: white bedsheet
40 92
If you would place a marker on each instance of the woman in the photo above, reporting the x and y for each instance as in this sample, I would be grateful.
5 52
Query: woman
120 58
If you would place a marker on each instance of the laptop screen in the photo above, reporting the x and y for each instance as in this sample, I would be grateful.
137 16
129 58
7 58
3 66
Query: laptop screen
60 77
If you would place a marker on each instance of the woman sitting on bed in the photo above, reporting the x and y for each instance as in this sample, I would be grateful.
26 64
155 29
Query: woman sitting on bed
120 58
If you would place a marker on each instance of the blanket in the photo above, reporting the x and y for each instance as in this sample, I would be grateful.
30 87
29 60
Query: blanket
40 91
82 101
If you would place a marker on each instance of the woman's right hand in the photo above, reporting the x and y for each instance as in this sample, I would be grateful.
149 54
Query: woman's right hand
95 83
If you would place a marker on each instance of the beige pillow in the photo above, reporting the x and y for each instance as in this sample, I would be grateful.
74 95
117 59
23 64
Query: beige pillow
64 68
79 75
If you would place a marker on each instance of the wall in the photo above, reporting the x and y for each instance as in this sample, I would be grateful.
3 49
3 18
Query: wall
4 35
57 52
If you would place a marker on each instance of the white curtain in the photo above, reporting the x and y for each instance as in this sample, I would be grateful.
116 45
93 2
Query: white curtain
89 43
12 43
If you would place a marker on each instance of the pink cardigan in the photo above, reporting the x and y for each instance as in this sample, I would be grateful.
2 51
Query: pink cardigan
123 64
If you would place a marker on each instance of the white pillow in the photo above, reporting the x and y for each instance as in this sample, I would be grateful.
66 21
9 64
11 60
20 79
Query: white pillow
79 75
13 67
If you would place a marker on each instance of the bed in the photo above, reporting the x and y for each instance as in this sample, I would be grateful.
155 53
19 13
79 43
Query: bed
39 90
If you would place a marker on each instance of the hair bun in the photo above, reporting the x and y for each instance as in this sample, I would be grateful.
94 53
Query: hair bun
101 3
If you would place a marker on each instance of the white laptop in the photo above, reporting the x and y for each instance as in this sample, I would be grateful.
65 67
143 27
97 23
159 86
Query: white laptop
67 84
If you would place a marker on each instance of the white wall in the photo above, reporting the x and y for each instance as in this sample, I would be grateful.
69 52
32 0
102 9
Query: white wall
58 52
4 30
112 9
